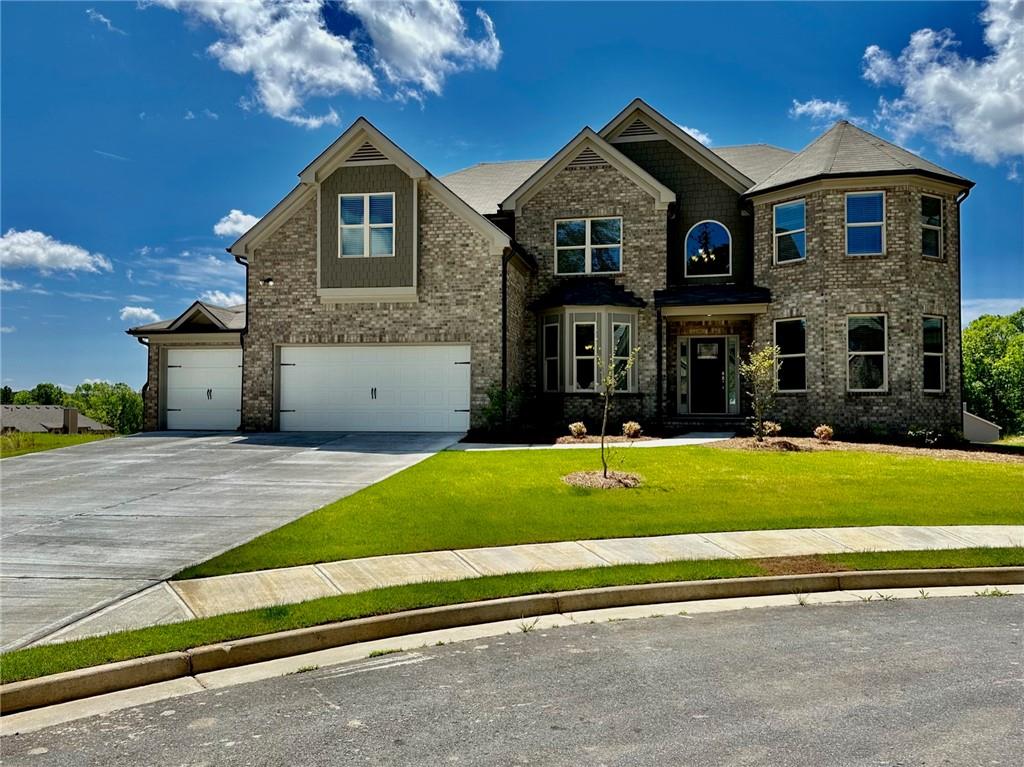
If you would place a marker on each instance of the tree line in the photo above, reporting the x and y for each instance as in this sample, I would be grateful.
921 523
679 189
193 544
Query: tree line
116 404
993 349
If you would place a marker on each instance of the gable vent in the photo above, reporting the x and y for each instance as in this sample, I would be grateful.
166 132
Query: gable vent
588 158
637 129
367 153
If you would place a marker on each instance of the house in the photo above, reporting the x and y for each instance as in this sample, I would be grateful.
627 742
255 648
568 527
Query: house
382 297
51 419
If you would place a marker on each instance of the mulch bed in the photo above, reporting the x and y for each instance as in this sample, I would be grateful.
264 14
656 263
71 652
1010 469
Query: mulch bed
811 445
596 479
596 438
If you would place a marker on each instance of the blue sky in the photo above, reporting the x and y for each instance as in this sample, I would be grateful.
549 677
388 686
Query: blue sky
129 132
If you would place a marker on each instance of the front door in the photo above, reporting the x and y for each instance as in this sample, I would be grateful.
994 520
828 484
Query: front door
707 375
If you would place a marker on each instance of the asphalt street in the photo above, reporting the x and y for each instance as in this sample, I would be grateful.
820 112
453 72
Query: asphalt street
886 684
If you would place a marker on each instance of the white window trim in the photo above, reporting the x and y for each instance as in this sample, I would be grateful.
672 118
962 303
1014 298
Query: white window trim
616 358
587 264
366 226
940 229
884 353
941 355
593 355
549 354
782 357
776 234
846 215
686 254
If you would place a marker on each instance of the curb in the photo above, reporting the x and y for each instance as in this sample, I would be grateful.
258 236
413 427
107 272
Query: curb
123 675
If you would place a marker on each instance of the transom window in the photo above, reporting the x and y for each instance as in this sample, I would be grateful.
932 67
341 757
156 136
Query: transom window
931 226
865 223
588 246
791 364
708 250
934 338
584 355
366 225
790 231
867 360
551 341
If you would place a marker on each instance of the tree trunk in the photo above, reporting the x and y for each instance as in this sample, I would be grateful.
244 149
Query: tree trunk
604 428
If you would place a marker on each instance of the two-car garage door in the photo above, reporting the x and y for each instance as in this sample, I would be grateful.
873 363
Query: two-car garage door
374 388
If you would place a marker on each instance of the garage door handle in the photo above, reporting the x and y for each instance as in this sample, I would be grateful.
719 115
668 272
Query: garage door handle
209 394
462 363
174 366
173 409
281 411
466 410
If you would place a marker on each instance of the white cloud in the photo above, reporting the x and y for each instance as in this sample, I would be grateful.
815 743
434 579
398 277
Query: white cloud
138 314
234 224
971 106
7 328
820 111
98 18
6 285
190 115
698 134
220 298
972 308
30 249
292 56
195 270
210 114
138 298
111 155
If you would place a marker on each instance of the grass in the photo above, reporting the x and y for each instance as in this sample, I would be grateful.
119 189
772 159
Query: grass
52 659
470 499
1013 440
20 443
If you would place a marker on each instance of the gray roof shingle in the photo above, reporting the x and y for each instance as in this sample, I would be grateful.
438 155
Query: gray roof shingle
846 150
755 161
231 317
43 418
486 184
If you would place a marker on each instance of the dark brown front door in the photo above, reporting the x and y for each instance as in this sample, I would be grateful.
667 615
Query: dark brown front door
707 375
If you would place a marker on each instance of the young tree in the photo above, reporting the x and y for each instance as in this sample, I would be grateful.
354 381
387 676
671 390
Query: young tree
759 373
612 375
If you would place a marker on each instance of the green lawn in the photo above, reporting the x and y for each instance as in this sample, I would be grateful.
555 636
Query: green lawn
52 659
468 499
20 444
1013 440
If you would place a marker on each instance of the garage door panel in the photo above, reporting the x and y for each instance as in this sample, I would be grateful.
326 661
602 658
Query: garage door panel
203 389
418 388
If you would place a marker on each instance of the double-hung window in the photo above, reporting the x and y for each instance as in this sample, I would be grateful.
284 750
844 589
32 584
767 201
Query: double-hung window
934 340
588 246
584 356
931 226
791 363
865 223
551 355
867 366
789 225
366 225
622 341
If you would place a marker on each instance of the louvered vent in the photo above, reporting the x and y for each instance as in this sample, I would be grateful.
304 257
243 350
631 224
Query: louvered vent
588 158
637 129
367 153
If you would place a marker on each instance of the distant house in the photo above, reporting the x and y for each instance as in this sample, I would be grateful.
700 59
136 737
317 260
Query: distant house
49 419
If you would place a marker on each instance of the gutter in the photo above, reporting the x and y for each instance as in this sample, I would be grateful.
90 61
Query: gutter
244 261
506 256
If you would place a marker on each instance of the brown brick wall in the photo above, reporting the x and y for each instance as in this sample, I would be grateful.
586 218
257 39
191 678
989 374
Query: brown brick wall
586 193
459 302
829 285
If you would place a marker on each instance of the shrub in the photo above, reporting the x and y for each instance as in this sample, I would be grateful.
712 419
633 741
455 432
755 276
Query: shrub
770 428
502 406
759 373
578 429
824 433
631 429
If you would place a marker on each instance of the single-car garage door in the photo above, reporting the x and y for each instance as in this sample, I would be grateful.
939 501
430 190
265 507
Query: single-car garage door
374 388
204 388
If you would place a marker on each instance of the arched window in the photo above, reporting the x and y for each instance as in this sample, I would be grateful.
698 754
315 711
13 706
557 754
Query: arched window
708 250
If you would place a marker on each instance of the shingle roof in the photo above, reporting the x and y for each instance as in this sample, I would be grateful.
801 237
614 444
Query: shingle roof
846 150
230 318
756 161
593 291
43 418
711 295
486 184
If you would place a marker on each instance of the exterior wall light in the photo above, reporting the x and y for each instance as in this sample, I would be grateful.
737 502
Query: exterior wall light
268 281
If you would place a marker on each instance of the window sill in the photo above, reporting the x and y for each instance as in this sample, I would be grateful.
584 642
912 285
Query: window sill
794 262
858 393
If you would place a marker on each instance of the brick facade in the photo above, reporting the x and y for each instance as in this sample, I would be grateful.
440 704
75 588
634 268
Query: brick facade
829 285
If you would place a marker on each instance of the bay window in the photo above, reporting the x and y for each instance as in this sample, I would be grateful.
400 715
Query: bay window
791 363
865 223
789 225
867 364
579 344
934 362
931 226
584 355
551 355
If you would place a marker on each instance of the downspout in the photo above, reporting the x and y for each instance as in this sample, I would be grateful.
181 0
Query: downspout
506 256
145 387
959 288
244 261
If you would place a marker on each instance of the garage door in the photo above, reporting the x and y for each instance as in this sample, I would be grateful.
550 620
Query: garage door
374 388
204 388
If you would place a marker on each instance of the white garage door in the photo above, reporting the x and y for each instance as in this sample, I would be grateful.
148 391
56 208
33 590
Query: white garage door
204 388
374 388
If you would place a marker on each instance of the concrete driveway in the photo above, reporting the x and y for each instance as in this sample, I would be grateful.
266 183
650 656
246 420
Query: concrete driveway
84 526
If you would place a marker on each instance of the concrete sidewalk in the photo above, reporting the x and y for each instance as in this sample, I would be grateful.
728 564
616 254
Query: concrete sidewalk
173 601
